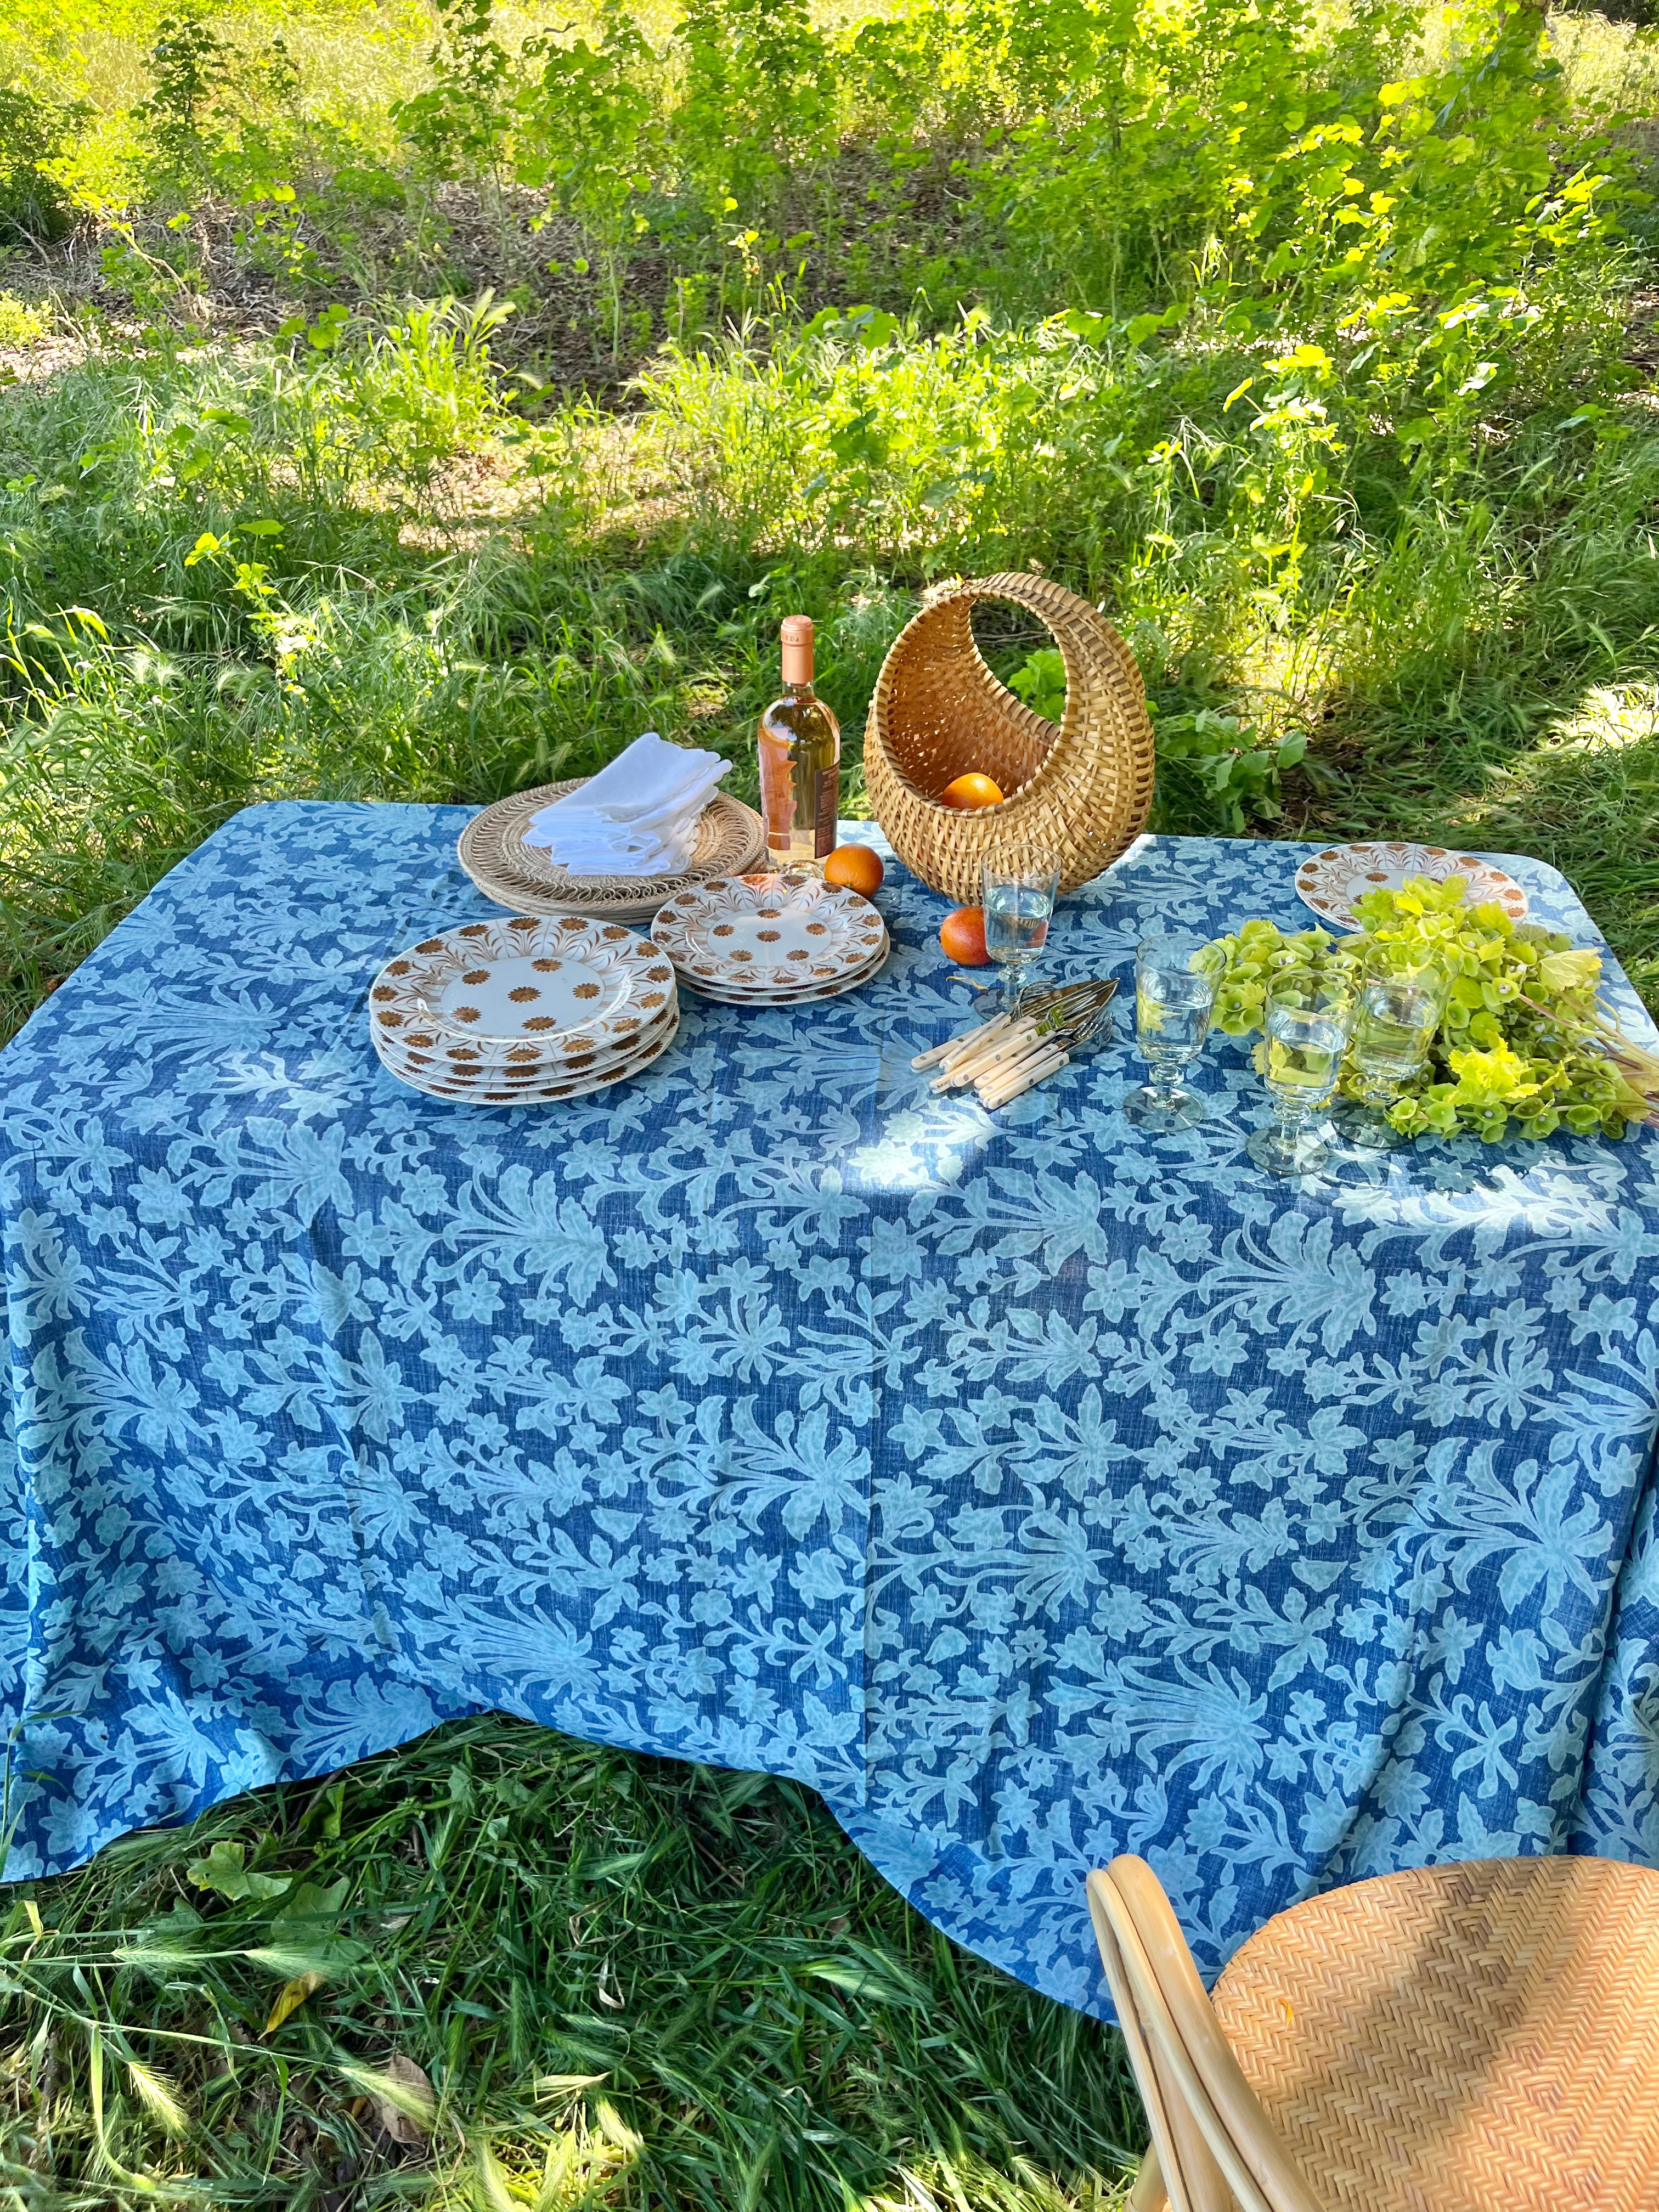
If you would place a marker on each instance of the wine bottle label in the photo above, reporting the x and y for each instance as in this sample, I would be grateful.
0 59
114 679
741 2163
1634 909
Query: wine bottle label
777 791
826 811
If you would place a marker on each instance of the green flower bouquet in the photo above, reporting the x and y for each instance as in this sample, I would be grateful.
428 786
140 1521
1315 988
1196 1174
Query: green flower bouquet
1525 1047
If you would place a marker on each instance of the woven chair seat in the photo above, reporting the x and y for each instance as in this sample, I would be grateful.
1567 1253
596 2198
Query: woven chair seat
1479 2038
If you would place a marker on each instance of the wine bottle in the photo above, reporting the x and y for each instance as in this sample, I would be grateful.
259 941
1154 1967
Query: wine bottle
799 743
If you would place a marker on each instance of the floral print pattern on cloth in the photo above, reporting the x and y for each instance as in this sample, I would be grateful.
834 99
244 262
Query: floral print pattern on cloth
1034 1489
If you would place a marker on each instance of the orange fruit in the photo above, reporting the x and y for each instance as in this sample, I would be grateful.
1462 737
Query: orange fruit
970 791
856 868
962 936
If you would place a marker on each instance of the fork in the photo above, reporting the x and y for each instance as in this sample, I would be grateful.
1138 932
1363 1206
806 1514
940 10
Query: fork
1005 1056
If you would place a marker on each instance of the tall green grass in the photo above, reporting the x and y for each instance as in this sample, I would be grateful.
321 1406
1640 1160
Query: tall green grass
623 1981
222 577
246 569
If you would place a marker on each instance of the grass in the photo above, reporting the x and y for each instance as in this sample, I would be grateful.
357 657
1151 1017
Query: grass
278 517
622 1980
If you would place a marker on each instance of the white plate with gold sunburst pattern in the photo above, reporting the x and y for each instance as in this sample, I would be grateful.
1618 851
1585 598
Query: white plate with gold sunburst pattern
517 1086
736 996
764 935
523 989
436 1055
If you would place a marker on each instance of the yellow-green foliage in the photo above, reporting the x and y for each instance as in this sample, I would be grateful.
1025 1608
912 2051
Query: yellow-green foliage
20 325
1515 1052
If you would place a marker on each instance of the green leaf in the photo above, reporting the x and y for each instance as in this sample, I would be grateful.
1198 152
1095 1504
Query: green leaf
221 1870
313 1903
1570 971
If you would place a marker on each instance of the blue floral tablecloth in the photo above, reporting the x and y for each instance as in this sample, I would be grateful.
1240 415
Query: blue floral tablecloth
1033 1489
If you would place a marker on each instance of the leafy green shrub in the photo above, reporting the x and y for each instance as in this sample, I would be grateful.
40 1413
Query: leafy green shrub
186 116
223 122
1040 681
1214 771
758 99
20 324
585 128
947 450
34 209
458 124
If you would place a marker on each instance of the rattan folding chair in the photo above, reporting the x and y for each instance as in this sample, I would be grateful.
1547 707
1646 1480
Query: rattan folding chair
1475 2038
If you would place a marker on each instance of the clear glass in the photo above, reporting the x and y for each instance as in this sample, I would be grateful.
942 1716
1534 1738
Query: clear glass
1308 1021
1400 1006
1175 978
1017 892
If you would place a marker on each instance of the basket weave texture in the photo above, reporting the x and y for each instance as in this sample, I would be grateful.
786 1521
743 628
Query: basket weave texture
730 840
1078 792
1461 2038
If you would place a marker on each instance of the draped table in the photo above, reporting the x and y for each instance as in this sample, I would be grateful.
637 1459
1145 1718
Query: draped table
1034 1489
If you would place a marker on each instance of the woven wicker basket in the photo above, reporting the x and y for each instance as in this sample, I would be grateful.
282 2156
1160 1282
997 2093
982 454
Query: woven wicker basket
1079 791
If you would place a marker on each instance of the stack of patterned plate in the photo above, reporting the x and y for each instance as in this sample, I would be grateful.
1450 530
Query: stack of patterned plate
516 1013
730 838
771 940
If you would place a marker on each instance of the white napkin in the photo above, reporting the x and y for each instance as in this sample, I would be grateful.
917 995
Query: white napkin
638 817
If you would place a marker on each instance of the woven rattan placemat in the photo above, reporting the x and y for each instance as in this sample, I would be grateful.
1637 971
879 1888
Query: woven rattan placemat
731 841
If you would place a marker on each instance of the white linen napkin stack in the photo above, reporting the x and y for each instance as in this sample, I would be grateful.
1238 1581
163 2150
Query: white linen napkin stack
636 818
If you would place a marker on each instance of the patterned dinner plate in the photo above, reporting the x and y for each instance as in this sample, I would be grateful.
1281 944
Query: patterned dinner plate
485 1089
557 983
736 997
766 934
434 1055
491 1088
1331 881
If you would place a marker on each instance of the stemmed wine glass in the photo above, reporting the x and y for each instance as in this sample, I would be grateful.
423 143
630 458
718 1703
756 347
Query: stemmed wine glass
1175 978
1400 1006
1019 890
1308 1020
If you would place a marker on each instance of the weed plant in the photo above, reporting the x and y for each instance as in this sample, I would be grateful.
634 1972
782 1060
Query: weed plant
1313 343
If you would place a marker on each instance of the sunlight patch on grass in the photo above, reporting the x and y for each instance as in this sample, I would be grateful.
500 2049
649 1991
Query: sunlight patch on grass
1608 66
1611 715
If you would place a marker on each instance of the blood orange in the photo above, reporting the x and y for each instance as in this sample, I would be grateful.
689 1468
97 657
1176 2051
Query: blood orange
962 936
